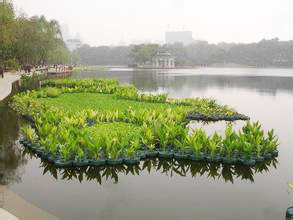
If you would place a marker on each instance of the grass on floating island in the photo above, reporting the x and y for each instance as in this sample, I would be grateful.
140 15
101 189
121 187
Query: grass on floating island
98 122
101 102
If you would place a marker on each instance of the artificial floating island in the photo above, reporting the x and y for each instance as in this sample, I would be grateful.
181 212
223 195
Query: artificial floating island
99 122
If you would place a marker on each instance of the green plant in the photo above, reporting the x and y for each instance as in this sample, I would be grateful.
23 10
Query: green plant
31 82
83 123
29 133
53 92
214 144
198 141
272 141
230 141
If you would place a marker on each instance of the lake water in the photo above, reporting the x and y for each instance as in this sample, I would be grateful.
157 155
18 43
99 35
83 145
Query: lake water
167 189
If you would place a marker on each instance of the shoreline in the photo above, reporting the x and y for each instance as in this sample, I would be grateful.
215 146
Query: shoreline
189 67
6 85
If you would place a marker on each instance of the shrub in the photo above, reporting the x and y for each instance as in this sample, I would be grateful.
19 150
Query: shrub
53 92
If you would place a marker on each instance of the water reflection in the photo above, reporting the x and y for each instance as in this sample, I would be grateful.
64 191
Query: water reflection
153 80
168 167
11 158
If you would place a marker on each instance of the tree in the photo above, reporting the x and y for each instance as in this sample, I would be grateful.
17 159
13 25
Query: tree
59 55
104 55
38 39
7 33
29 40
74 58
143 53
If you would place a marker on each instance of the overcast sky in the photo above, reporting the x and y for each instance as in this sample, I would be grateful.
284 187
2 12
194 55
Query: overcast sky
109 21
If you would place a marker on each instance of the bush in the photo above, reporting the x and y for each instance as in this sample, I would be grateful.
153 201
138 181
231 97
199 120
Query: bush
53 92
31 82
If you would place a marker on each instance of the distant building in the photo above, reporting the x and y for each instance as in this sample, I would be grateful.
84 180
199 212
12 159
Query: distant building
184 37
73 44
163 59
65 32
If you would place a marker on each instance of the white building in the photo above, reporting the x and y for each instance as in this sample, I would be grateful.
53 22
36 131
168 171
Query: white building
184 37
163 59
65 32
73 44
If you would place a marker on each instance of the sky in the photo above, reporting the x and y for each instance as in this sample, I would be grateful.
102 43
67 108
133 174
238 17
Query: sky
109 22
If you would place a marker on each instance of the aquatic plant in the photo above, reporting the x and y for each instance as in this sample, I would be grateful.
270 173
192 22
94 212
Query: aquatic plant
214 144
197 141
230 142
29 133
123 123
272 141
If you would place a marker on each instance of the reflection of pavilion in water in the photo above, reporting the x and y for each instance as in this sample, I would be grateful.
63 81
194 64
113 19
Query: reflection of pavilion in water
176 81
186 84
151 80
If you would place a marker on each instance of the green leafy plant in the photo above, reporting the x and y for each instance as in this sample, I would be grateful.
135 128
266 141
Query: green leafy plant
29 133
214 144
99 119
53 92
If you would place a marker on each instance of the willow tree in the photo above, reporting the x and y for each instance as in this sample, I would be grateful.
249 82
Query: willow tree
60 54
7 33
29 40
38 38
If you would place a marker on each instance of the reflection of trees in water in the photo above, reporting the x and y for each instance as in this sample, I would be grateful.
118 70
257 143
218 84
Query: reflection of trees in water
151 80
262 84
11 158
166 167
145 80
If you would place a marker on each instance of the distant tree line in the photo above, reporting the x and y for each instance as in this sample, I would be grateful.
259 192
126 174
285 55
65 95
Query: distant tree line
29 40
104 55
261 54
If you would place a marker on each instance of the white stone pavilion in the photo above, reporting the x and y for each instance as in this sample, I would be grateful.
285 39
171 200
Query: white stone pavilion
163 59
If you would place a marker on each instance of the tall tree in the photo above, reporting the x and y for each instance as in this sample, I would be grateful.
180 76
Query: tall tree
143 53
7 33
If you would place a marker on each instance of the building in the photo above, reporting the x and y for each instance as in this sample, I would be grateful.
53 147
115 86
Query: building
163 59
65 32
73 44
184 37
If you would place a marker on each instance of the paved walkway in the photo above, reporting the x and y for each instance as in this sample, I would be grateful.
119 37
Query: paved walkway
19 207
4 215
6 84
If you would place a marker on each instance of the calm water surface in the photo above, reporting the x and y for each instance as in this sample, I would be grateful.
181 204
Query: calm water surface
167 189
